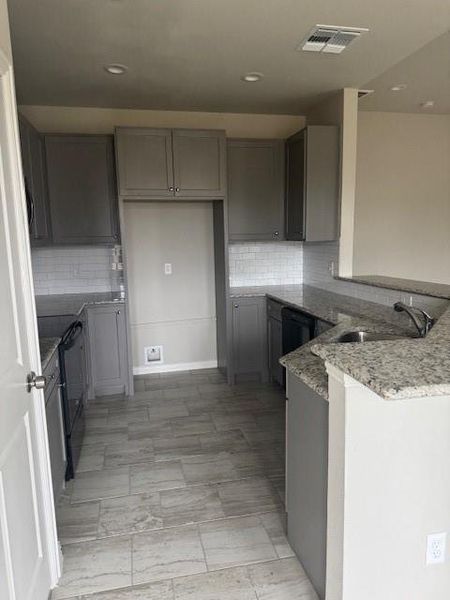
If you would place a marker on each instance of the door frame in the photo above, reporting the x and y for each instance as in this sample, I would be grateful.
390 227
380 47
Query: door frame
12 148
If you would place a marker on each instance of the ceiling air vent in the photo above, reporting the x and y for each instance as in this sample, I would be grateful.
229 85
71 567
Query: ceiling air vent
363 93
330 39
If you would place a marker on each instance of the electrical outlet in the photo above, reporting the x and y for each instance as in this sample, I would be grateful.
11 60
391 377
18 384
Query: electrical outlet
114 266
168 268
436 543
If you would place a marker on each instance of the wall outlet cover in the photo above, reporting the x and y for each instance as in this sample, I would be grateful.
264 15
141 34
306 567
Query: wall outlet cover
436 543
153 354
168 268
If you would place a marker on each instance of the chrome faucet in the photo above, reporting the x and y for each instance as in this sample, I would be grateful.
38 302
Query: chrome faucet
423 327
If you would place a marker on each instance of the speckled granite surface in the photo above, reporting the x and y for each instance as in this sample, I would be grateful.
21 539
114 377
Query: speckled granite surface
438 290
394 369
48 347
71 304
310 368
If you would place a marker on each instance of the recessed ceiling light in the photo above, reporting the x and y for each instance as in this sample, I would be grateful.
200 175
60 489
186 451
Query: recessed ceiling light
116 69
427 104
252 77
399 87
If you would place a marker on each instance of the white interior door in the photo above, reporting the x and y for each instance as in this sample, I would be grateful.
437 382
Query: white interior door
29 563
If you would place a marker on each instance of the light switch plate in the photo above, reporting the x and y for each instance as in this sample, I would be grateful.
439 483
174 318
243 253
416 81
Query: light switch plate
168 268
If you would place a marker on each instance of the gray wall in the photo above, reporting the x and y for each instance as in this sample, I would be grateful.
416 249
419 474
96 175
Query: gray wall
402 206
177 311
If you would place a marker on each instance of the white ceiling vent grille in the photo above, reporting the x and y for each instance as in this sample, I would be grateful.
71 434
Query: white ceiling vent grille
330 39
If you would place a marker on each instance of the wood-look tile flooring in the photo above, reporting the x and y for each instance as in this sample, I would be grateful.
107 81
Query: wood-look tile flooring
179 496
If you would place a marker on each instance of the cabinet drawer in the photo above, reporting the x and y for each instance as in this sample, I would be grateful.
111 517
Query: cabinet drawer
274 309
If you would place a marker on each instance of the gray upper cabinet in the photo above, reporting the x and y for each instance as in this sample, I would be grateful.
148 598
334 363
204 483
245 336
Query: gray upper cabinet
144 161
108 349
199 163
34 171
312 187
82 191
255 189
164 163
249 339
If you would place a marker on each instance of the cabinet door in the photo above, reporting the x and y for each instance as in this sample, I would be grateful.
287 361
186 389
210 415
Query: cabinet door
107 348
144 162
295 186
34 171
275 340
56 439
41 223
199 163
81 183
249 339
255 189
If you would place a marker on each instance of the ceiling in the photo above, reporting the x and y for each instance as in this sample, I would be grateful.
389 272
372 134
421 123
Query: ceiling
191 54
426 74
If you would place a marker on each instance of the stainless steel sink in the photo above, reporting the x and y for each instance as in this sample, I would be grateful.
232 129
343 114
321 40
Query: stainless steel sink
365 336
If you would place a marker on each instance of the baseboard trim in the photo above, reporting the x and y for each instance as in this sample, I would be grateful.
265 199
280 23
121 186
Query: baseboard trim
148 370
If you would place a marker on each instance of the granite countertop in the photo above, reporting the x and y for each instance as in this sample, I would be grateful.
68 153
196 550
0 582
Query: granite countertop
394 369
48 347
426 288
399 369
54 305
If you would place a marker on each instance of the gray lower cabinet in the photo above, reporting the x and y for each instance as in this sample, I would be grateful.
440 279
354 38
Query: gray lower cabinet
108 349
275 341
255 189
312 186
34 171
82 189
165 163
307 479
249 339
55 426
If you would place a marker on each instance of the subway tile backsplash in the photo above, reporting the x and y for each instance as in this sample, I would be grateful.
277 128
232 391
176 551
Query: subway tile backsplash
320 261
265 263
72 270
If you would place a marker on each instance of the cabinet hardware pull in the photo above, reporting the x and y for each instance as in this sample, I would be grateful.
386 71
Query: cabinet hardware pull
118 312
276 233
236 306
177 189
171 188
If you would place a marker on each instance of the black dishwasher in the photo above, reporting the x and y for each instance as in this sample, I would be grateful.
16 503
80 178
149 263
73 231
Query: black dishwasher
298 328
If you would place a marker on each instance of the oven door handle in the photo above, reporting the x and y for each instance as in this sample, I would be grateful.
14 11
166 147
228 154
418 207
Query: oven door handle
72 333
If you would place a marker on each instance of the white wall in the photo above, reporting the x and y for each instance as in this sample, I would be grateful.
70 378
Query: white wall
388 488
176 311
402 209
66 119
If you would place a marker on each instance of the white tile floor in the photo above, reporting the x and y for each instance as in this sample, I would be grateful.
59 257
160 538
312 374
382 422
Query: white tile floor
179 496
